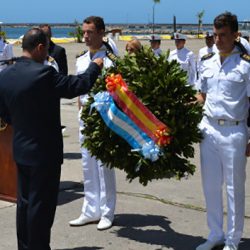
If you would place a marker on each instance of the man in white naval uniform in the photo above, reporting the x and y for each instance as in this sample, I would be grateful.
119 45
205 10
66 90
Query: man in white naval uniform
225 90
6 53
209 48
99 181
184 57
155 43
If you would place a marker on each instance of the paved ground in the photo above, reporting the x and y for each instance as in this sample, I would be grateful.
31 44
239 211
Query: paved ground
166 214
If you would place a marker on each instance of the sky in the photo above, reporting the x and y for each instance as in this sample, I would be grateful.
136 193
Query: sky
119 11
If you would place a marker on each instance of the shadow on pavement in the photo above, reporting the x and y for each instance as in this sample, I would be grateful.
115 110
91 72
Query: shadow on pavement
136 227
245 244
81 248
69 191
139 228
72 156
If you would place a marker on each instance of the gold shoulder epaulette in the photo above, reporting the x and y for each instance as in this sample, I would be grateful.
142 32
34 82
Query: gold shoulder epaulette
81 53
245 57
207 56
50 59
111 55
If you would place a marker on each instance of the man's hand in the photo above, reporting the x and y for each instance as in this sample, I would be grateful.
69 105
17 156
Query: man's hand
99 62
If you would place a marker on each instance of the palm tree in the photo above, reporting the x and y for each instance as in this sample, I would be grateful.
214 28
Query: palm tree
200 16
155 2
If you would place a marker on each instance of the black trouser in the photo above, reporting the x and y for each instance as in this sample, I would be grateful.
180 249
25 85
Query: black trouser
36 205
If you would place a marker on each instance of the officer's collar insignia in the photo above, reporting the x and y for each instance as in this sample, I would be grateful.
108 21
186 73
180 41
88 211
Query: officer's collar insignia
50 59
245 57
207 56
81 53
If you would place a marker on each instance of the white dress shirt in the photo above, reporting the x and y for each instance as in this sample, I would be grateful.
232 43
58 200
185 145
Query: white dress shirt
186 59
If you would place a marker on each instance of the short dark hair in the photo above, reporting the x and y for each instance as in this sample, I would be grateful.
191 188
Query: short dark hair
32 38
47 31
226 19
97 21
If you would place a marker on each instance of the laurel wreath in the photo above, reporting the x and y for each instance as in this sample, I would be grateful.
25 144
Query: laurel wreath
163 89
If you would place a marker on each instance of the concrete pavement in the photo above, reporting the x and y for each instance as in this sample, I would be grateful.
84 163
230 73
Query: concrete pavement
166 214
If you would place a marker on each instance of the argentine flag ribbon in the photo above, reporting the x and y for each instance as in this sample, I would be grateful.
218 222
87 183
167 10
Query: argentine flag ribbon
137 111
122 125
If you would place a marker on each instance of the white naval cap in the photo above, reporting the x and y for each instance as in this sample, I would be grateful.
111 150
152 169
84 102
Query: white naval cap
209 34
179 36
155 38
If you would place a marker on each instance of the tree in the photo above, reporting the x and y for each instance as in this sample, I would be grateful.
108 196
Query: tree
155 2
200 16
77 33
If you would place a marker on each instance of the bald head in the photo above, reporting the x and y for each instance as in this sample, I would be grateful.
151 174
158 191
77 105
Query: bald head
33 38
35 45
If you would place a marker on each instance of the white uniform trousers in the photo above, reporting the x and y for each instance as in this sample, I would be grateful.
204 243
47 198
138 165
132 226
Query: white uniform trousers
223 160
99 186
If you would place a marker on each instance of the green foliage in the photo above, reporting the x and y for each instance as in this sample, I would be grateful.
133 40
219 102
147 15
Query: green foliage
200 16
162 87
77 33
3 34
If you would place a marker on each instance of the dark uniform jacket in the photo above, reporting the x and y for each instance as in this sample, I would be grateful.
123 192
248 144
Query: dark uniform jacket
30 95
59 54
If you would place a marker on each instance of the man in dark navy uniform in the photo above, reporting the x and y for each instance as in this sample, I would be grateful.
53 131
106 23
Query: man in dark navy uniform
56 51
30 95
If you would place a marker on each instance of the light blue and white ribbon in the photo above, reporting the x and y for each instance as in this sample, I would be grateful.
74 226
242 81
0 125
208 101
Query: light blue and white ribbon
122 125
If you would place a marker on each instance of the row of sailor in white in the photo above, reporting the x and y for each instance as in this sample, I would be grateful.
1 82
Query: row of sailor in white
186 59
99 180
223 158
6 52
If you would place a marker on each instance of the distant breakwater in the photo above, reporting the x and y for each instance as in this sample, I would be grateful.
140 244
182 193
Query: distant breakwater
127 29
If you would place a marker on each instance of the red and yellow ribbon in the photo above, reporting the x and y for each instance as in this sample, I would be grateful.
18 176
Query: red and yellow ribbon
137 112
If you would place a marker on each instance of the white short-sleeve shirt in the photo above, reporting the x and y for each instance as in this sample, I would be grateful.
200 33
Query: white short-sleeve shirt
227 86
83 62
186 59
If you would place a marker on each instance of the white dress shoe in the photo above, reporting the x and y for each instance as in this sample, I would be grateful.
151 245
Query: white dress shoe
230 247
104 223
209 245
82 220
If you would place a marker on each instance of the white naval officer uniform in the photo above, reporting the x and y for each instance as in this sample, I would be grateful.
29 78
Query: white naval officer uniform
157 52
186 59
223 159
99 181
202 52
206 50
6 53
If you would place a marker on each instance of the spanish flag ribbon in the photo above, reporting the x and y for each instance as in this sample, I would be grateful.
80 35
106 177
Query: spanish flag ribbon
136 111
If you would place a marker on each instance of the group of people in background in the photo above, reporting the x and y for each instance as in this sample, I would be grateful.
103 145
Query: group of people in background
221 75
